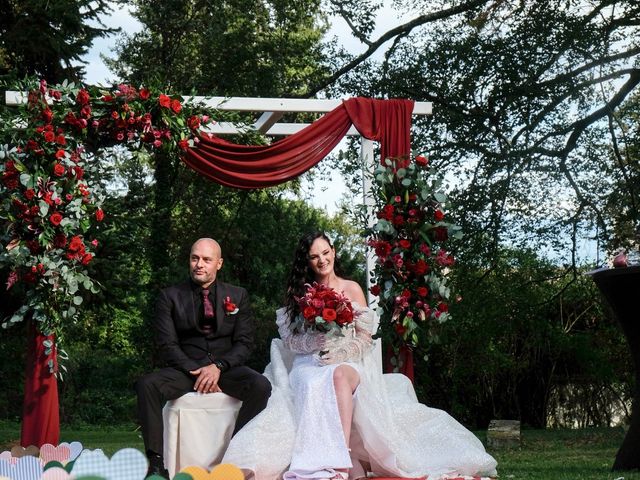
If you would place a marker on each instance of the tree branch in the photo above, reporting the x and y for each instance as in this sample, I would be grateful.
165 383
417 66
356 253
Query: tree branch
399 30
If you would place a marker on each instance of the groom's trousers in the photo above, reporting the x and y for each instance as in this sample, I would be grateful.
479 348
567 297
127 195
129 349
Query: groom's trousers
156 388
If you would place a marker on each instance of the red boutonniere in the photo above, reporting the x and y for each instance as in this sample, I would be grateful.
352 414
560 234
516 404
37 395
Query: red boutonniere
229 307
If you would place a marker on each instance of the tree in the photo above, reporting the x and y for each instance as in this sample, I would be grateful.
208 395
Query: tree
519 92
48 39
239 47
516 349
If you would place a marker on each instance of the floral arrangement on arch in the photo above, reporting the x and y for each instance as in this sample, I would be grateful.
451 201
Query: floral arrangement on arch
408 239
50 187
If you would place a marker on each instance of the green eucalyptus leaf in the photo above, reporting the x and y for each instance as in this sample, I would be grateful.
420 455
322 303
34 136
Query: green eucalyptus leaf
440 197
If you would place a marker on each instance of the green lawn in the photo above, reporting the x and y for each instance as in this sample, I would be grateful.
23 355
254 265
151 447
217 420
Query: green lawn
544 454
108 438
564 455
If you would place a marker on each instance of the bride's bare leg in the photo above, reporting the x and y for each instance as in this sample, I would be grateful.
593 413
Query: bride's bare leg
345 380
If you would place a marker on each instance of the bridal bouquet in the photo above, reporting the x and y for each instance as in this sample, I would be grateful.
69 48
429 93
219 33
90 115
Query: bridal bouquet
324 310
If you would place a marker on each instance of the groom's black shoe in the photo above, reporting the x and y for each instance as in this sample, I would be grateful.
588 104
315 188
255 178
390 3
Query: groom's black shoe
156 465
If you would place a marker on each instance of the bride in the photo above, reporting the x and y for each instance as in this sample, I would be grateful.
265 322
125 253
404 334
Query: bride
332 413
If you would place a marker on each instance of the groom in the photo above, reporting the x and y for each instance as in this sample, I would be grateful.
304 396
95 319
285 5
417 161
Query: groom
204 331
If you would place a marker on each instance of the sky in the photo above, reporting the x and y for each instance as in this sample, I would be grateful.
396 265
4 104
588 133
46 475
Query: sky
326 194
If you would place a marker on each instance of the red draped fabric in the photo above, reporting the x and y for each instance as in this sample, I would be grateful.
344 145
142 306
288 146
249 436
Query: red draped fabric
40 416
248 166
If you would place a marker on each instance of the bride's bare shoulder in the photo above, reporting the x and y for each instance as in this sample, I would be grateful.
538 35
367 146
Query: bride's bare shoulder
353 290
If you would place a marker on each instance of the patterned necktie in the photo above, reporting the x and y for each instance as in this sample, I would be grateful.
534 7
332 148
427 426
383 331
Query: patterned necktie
208 306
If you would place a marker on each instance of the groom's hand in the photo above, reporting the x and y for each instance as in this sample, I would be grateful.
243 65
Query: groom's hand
207 381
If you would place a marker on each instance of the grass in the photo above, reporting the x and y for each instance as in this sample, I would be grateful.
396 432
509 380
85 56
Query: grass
544 454
586 454
108 438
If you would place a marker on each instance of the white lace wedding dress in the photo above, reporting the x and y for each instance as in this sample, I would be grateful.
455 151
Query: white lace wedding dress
299 434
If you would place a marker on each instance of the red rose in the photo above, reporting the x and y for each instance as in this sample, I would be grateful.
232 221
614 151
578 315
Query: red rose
47 115
55 219
29 193
85 112
164 101
329 314
78 172
176 106
99 215
183 144
383 249
309 312
422 291
49 136
193 122
404 243
421 267
76 244
11 182
33 246
115 115
144 94
58 169
86 258
398 220
82 97
60 140
375 290
438 215
422 160
344 317
60 153
443 307
60 240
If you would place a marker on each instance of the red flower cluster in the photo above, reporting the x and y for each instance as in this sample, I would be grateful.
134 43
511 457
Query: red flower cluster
49 205
408 272
77 251
322 308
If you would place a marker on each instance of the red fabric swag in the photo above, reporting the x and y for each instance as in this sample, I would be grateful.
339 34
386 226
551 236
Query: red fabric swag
247 166
40 416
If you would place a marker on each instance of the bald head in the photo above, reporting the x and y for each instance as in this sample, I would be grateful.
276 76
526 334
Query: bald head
204 261
208 243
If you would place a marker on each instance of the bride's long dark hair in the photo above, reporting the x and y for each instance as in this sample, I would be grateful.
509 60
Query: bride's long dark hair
301 273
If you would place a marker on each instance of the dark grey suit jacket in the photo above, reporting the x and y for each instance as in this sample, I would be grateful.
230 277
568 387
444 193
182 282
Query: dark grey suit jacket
182 343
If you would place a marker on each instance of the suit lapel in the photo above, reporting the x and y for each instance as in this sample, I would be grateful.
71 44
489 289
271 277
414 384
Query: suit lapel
221 293
190 306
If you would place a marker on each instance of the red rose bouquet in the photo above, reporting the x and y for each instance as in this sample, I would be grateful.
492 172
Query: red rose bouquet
325 310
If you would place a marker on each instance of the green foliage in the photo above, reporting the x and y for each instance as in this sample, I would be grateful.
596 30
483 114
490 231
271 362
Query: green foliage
48 38
516 342
240 47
